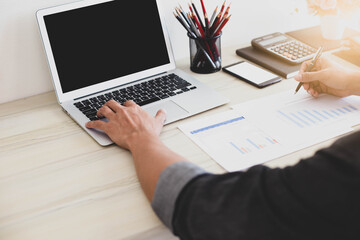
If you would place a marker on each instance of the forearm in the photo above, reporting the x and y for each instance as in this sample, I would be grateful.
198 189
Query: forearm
289 203
151 157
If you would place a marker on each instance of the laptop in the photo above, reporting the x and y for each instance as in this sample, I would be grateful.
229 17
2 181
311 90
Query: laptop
99 50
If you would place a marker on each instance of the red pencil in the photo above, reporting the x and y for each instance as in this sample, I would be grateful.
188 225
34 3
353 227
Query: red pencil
227 12
197 14
203 35
198 25
222 26
205 13
216 23
191 8
222 8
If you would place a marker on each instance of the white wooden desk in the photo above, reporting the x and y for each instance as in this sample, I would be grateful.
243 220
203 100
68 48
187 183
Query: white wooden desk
57 183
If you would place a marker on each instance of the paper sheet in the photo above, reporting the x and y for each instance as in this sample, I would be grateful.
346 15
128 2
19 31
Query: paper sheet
268 128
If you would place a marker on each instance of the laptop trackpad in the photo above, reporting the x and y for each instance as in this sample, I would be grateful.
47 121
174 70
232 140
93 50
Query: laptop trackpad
173 111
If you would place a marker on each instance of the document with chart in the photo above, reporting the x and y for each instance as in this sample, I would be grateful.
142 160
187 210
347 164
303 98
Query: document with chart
264 129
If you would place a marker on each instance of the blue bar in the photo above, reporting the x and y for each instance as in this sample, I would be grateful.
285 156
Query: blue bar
300 119
251 142
336 113
341 111
217 125
315 111
327 113
271 141
347 109
304 116
319 119
237 148
353 108
292 120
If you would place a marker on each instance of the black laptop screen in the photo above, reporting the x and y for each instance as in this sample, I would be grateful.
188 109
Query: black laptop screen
102 42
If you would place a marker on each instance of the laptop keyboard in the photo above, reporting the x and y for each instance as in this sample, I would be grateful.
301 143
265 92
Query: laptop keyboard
142 94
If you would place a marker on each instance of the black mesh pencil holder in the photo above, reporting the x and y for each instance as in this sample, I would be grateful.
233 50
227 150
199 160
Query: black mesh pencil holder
205 54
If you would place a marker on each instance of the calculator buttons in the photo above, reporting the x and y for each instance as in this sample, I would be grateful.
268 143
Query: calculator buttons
293 51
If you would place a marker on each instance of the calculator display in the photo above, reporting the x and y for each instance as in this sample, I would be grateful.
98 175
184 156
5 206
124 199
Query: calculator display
273 40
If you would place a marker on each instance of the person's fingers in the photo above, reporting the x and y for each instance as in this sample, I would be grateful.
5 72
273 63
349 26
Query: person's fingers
312 92
113 105
96 124
105 111
323 88
161 116
306 86
312 76
129 103
320 64
304 66
298 77
318 89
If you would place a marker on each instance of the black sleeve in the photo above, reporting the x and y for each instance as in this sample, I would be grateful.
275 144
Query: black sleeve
319 198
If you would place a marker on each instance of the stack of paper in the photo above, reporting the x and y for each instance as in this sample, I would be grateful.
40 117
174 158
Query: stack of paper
267 128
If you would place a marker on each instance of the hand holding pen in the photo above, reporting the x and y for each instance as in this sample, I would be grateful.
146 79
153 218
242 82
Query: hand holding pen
330 78
311 65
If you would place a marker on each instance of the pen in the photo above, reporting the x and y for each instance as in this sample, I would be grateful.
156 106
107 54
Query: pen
311 65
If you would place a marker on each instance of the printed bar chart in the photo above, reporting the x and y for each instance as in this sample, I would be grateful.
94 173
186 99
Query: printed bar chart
249 145
313 116
217 125
237 135
264 129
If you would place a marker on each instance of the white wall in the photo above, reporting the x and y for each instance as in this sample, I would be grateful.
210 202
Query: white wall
24 70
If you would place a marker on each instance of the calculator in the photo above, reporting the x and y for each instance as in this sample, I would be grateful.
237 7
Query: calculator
284 47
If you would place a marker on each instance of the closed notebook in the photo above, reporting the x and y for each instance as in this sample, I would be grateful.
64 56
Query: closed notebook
269 62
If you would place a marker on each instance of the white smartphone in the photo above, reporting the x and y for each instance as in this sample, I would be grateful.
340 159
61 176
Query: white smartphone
252 74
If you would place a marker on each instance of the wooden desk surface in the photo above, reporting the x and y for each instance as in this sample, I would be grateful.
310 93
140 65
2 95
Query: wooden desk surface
57 183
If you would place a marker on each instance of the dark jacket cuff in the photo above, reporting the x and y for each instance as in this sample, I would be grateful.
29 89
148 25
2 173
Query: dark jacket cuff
172 180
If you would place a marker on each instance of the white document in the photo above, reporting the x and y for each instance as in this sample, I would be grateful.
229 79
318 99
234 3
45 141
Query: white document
271 127
301 113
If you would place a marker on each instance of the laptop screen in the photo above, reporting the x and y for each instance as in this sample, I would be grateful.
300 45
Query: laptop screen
102 42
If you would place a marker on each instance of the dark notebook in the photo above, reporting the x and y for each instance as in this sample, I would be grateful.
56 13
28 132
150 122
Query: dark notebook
269 62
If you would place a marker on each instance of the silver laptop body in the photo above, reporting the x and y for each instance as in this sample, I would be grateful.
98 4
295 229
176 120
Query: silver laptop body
98 48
